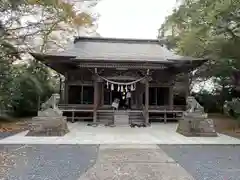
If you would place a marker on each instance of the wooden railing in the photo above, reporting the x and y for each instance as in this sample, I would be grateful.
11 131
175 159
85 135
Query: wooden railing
75 106
175 107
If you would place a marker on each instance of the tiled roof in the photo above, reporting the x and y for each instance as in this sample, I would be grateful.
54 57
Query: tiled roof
110 49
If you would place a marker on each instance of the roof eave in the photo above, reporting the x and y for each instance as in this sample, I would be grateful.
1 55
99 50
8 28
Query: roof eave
42 55
118 60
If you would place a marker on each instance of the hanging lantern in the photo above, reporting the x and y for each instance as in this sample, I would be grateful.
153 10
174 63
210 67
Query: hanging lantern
132 88
112 87
121 88
107 84
118 88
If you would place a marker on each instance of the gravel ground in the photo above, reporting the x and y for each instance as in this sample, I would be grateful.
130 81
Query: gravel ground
7 134
213 162
48 162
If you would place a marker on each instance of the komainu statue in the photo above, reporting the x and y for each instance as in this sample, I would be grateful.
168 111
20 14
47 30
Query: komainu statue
50 107
232 108
195 121
194 108
49 121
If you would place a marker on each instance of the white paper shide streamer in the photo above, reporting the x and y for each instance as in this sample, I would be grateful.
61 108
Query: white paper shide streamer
122 86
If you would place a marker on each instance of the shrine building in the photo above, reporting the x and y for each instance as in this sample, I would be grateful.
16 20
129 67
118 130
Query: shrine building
99 70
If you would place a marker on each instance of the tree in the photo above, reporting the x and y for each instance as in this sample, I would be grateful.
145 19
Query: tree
41 24
30 25
207 28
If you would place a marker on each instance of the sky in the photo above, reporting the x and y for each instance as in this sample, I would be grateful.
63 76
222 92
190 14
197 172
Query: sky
139 19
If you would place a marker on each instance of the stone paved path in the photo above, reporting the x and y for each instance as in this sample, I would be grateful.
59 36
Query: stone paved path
133 162
119 162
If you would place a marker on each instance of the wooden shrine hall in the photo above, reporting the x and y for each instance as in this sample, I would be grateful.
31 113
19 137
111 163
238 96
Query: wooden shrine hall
98 71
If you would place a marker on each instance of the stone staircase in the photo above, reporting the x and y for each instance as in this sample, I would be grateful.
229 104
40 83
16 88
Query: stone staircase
121 117
105 117
136 117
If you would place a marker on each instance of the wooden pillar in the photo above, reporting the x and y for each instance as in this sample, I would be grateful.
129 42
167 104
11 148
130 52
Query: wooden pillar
66 89
137 94
140 95
60 88
171 97
147 100
95 100
101 94
187 88
187 85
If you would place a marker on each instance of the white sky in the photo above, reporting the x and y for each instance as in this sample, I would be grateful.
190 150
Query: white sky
132 18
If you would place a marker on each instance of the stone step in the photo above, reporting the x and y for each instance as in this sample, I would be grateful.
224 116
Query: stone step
124 117
105 115
136 117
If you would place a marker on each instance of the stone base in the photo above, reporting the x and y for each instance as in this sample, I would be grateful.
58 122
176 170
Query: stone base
197 127
48 126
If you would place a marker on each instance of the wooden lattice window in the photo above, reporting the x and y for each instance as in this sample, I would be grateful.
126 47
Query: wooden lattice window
80 94
158 96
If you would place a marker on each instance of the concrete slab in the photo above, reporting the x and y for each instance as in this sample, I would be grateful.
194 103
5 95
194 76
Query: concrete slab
134 155
134 171
135 164
156 134
128 146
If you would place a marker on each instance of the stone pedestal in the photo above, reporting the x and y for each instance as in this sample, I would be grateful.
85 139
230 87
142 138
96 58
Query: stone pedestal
48 126
196 125
49 121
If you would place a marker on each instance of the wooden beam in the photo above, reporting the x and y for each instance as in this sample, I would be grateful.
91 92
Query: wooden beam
123 65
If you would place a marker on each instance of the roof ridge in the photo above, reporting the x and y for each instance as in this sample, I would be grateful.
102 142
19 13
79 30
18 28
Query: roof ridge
110 39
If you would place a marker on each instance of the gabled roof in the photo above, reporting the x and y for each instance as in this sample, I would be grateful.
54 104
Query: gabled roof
115 53
111 49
